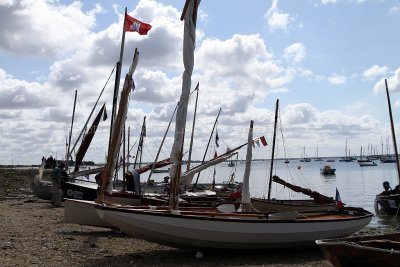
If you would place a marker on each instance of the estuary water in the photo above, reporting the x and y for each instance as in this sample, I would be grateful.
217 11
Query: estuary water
357 185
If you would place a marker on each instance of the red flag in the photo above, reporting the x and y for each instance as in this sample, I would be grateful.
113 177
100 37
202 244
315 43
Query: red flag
263 141
134 25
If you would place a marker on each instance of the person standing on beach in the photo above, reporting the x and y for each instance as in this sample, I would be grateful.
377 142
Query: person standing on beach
56 181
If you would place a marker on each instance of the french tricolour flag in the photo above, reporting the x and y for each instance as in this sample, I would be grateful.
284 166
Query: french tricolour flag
339 202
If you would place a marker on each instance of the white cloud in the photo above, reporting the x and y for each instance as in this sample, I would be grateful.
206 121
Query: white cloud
240 74
394 10
326 2
295 53
51 29
276 19
337 79
306 73
374 72
393 83
359 1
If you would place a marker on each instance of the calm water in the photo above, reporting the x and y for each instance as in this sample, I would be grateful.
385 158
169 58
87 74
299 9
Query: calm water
357 185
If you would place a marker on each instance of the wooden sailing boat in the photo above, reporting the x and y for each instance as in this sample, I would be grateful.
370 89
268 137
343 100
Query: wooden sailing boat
362 251
318 203
389 199
222 227
44 189
72 185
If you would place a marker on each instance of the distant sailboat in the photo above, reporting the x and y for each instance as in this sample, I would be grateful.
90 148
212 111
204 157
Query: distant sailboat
317 158
347 157
304 156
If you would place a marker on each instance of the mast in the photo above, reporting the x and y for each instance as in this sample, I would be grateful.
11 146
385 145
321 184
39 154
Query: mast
70 131
123 158
193 126
208 144
91 113
273 150
393 133
117 78
162 143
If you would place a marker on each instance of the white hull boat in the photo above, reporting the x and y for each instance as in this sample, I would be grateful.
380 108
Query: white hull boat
217 230
83 212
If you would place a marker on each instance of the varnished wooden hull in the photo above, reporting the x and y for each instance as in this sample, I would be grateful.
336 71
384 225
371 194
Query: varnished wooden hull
274 205
363 251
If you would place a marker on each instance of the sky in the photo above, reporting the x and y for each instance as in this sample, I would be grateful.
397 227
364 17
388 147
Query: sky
325 60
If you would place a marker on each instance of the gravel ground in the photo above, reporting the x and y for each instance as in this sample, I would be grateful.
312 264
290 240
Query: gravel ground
33 233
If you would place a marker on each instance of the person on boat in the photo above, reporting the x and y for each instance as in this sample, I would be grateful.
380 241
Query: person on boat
56 182
166 180
389 190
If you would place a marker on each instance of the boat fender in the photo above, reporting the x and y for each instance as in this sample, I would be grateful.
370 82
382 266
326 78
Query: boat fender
176 212
376 207
152 207
199 255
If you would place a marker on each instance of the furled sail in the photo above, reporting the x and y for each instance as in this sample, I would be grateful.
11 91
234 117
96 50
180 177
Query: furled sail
117 130
88 139
189 40
246 175
187 177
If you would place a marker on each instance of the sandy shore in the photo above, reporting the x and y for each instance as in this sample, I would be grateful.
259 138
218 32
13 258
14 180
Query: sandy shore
33 233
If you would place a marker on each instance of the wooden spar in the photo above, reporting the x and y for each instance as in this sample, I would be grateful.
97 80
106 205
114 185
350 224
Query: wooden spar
208 144
174 192
88 139
91 113
393 133
319 198
107 174
140 145
123 159
173 195
70 131
162 143
230 152
117 78
129 139
273 150
193 126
